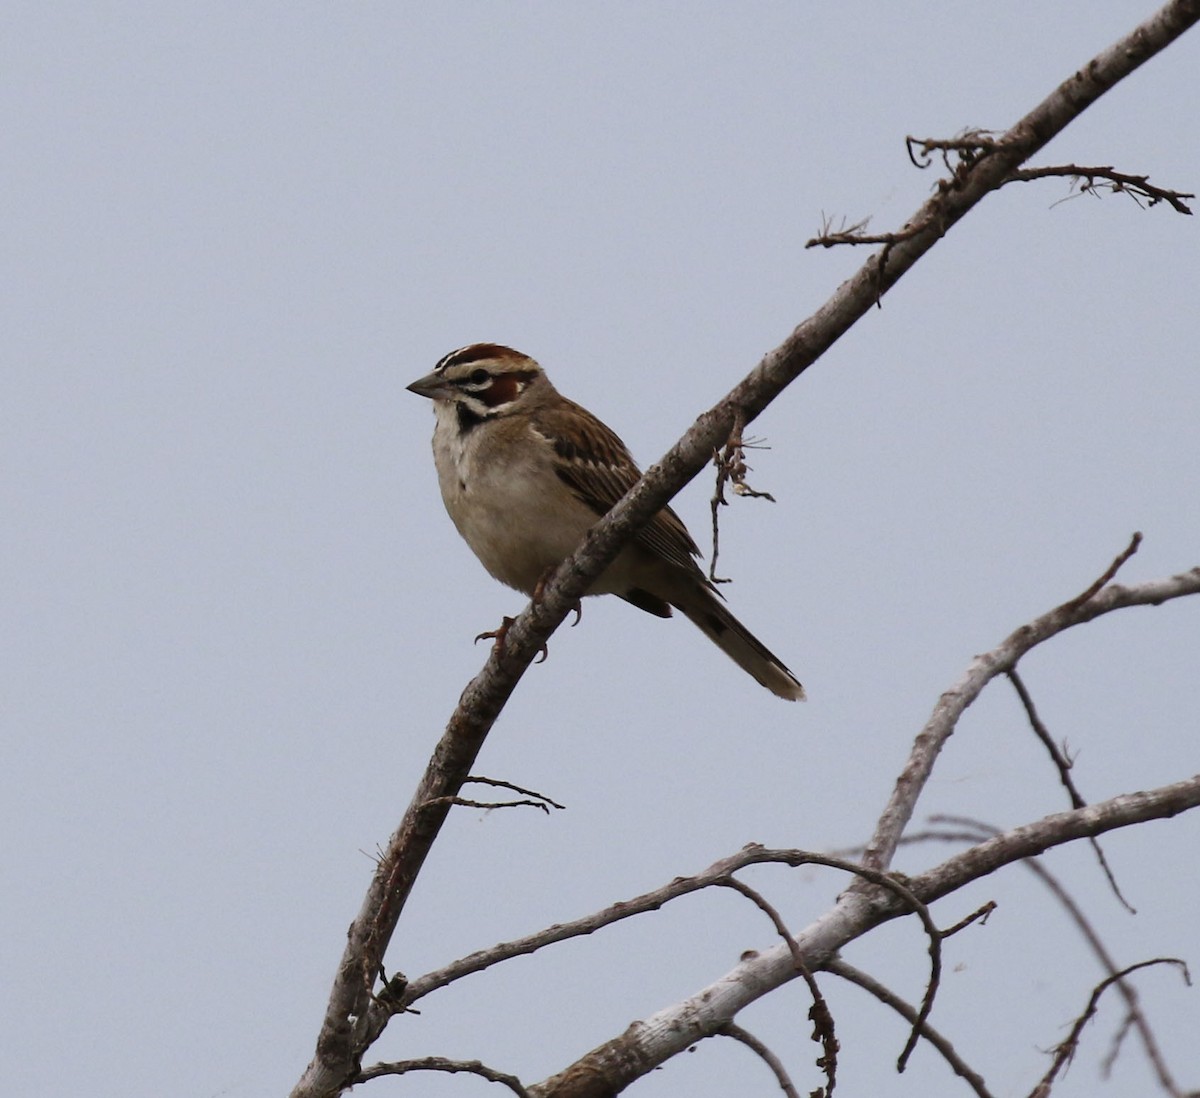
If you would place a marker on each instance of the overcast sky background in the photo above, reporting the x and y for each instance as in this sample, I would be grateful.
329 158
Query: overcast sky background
236 616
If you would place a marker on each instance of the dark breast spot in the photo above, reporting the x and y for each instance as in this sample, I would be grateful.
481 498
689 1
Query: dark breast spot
468 418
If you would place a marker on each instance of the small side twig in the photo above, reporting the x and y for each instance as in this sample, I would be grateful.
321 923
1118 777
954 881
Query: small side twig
960 155
856 234
1093 180
1065 1050
819 1013
466 802
1109 574
979 915
440 1063
732 1029
479 779
1063 765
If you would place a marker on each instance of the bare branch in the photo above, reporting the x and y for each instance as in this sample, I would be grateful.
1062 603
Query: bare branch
1063 765
479 779
979 915
955 701
1092 180
440 1063
350 1023
464 802
1065 1051
1135 1017
766 1055
819 1014
717 874
888 997
612 1066
959 155
1108 575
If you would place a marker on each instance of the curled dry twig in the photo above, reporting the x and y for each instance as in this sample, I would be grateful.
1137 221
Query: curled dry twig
961 155
732 469
819 1013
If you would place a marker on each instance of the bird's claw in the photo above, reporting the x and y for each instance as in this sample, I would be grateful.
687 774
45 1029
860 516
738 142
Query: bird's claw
499 635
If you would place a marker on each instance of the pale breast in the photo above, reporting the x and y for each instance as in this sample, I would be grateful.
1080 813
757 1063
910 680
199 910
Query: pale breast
501 491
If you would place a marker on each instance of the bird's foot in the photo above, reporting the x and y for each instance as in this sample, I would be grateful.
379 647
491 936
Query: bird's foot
498 637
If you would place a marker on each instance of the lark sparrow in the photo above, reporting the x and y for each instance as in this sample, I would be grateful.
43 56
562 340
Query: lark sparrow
525 473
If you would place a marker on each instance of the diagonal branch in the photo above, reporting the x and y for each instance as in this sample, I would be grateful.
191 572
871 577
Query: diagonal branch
1063 765
955 701
614 1065
350 1022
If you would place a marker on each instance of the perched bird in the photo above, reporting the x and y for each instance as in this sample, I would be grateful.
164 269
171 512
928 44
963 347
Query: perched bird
525 472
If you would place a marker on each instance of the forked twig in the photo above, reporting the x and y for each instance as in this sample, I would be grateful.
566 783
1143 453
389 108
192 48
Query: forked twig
1065 1051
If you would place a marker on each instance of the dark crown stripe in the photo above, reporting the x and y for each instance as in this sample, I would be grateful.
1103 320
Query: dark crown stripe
475 352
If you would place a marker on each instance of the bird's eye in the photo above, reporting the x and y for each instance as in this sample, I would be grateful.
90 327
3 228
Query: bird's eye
478 377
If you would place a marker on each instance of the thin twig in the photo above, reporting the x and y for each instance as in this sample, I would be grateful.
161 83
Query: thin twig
1091 180
978 830
1063 766
765 1054
713 876
440 1063
819 1013
1107 575
960 156
479 779
464 802
885 995
1065 1050
979 915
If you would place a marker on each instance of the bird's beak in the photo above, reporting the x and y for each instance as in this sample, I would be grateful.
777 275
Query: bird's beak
431 386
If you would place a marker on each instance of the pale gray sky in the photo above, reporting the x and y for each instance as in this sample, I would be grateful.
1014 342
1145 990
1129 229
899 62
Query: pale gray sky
237 617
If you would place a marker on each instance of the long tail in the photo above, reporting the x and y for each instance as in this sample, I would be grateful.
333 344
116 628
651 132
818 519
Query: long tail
704 607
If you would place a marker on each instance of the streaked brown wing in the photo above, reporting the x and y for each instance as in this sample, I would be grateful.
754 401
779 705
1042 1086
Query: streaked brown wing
599 469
